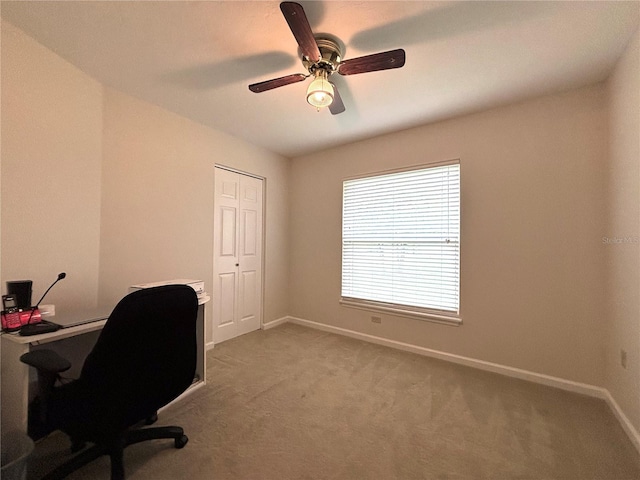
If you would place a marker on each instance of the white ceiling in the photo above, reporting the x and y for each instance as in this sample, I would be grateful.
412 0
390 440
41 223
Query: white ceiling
197 58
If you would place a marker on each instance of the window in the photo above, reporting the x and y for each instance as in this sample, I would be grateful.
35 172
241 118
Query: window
401 242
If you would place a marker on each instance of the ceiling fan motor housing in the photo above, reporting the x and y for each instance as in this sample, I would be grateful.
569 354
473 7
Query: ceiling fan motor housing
330 56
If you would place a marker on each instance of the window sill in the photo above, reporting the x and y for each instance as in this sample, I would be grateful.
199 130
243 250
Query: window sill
397 310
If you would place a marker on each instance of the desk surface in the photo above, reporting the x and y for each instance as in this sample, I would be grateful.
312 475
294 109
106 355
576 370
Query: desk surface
71 331
53 336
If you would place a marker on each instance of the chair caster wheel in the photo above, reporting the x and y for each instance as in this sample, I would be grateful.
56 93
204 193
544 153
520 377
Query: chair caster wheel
181 442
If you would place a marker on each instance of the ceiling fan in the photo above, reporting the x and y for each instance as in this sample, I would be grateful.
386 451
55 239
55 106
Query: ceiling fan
322 57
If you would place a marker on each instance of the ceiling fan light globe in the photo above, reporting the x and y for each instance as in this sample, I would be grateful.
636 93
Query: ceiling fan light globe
320 93
320 99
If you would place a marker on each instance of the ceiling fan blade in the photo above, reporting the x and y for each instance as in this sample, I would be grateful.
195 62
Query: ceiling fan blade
372 63
336 106
277 82
299 25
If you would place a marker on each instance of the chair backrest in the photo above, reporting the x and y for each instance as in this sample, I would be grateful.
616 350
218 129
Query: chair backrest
145 355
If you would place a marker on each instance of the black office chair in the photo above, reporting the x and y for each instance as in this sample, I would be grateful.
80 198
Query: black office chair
144 358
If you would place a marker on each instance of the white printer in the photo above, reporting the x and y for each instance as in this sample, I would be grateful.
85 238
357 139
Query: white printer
197 285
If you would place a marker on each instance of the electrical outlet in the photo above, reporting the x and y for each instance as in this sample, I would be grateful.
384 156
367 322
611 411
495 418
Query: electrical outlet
623 358
376 319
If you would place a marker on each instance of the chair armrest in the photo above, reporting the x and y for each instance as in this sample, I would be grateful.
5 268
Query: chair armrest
46 361
49 365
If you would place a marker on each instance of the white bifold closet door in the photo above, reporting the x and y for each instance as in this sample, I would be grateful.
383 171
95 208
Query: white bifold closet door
237 268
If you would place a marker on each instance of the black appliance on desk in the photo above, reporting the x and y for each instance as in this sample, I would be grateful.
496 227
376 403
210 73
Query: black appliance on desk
16 305
18 312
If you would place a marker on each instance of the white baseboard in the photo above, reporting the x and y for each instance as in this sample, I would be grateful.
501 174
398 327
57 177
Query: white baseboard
275 323
627 426
568 385
264 326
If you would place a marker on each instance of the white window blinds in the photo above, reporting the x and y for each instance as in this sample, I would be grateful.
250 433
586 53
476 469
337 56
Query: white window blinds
401 239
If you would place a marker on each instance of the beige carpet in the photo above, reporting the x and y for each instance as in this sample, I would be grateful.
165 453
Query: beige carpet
296 403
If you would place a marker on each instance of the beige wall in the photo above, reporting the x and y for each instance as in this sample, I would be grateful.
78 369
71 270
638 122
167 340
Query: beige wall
51 154
120 191
532 265
623 256
157 207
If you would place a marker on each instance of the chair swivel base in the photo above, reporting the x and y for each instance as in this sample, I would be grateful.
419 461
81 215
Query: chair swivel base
115 451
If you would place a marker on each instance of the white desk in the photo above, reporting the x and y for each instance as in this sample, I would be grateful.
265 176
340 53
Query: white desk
73 343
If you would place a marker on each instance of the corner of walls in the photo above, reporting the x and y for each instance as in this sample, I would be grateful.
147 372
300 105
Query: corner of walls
157 208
